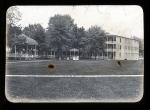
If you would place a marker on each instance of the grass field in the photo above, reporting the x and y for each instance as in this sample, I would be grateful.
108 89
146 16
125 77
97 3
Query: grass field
76 89
82 67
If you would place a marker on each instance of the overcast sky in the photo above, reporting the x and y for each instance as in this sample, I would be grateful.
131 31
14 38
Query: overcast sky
120 20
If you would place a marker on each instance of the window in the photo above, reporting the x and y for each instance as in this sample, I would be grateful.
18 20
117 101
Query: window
120 46
110 38
114 54
114 39
120 39
114 46
110 46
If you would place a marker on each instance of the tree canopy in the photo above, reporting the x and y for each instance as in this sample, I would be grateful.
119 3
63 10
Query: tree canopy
96 40
59 33
37 32
62 34
13 15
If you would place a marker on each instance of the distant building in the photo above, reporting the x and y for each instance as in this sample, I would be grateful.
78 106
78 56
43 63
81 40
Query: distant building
121 48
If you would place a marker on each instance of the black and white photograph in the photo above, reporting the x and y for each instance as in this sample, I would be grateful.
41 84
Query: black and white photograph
74 53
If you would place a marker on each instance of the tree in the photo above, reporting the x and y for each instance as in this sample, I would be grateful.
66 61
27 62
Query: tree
13 16
12 32
59 33
78 39
37 32
95 40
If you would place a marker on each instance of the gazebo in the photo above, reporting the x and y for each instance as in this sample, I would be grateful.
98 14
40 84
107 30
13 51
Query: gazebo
25 47
74 54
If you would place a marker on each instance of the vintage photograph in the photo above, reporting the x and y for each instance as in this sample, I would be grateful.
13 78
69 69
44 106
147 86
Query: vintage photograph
75 53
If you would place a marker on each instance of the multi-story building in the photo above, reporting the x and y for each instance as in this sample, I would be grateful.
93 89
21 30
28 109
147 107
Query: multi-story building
121 48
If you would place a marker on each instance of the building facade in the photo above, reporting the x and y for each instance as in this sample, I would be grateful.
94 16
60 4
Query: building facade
121 48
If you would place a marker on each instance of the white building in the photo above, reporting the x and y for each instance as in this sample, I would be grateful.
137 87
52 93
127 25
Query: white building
121 48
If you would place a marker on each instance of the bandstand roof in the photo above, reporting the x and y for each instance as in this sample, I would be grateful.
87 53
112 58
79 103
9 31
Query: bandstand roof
28 40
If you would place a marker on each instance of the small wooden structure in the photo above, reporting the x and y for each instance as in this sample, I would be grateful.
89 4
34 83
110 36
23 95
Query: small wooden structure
74 54
25 47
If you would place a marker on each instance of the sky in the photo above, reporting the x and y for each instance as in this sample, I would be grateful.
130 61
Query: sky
120 20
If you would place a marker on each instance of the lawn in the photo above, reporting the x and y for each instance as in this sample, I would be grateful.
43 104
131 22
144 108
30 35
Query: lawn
81 89
83 67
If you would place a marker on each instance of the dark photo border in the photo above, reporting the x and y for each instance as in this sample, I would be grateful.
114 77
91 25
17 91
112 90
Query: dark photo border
5 104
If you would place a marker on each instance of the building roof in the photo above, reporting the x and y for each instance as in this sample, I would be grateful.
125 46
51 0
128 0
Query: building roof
108 35
28 40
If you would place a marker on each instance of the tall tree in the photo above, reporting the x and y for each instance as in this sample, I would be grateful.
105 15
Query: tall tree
12 32
96 40
78 38
13 16
37 32
59 33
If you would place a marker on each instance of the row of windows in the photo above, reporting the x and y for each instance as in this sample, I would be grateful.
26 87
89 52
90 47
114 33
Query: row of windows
126 40
128 47
114 39
111 38
132 48
113 46
129 54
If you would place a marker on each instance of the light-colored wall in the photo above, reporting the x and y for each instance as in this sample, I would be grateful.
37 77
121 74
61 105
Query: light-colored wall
129 49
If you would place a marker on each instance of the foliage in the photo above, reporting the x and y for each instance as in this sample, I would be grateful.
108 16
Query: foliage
13 16
59 33
12 32
37 32
96 40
